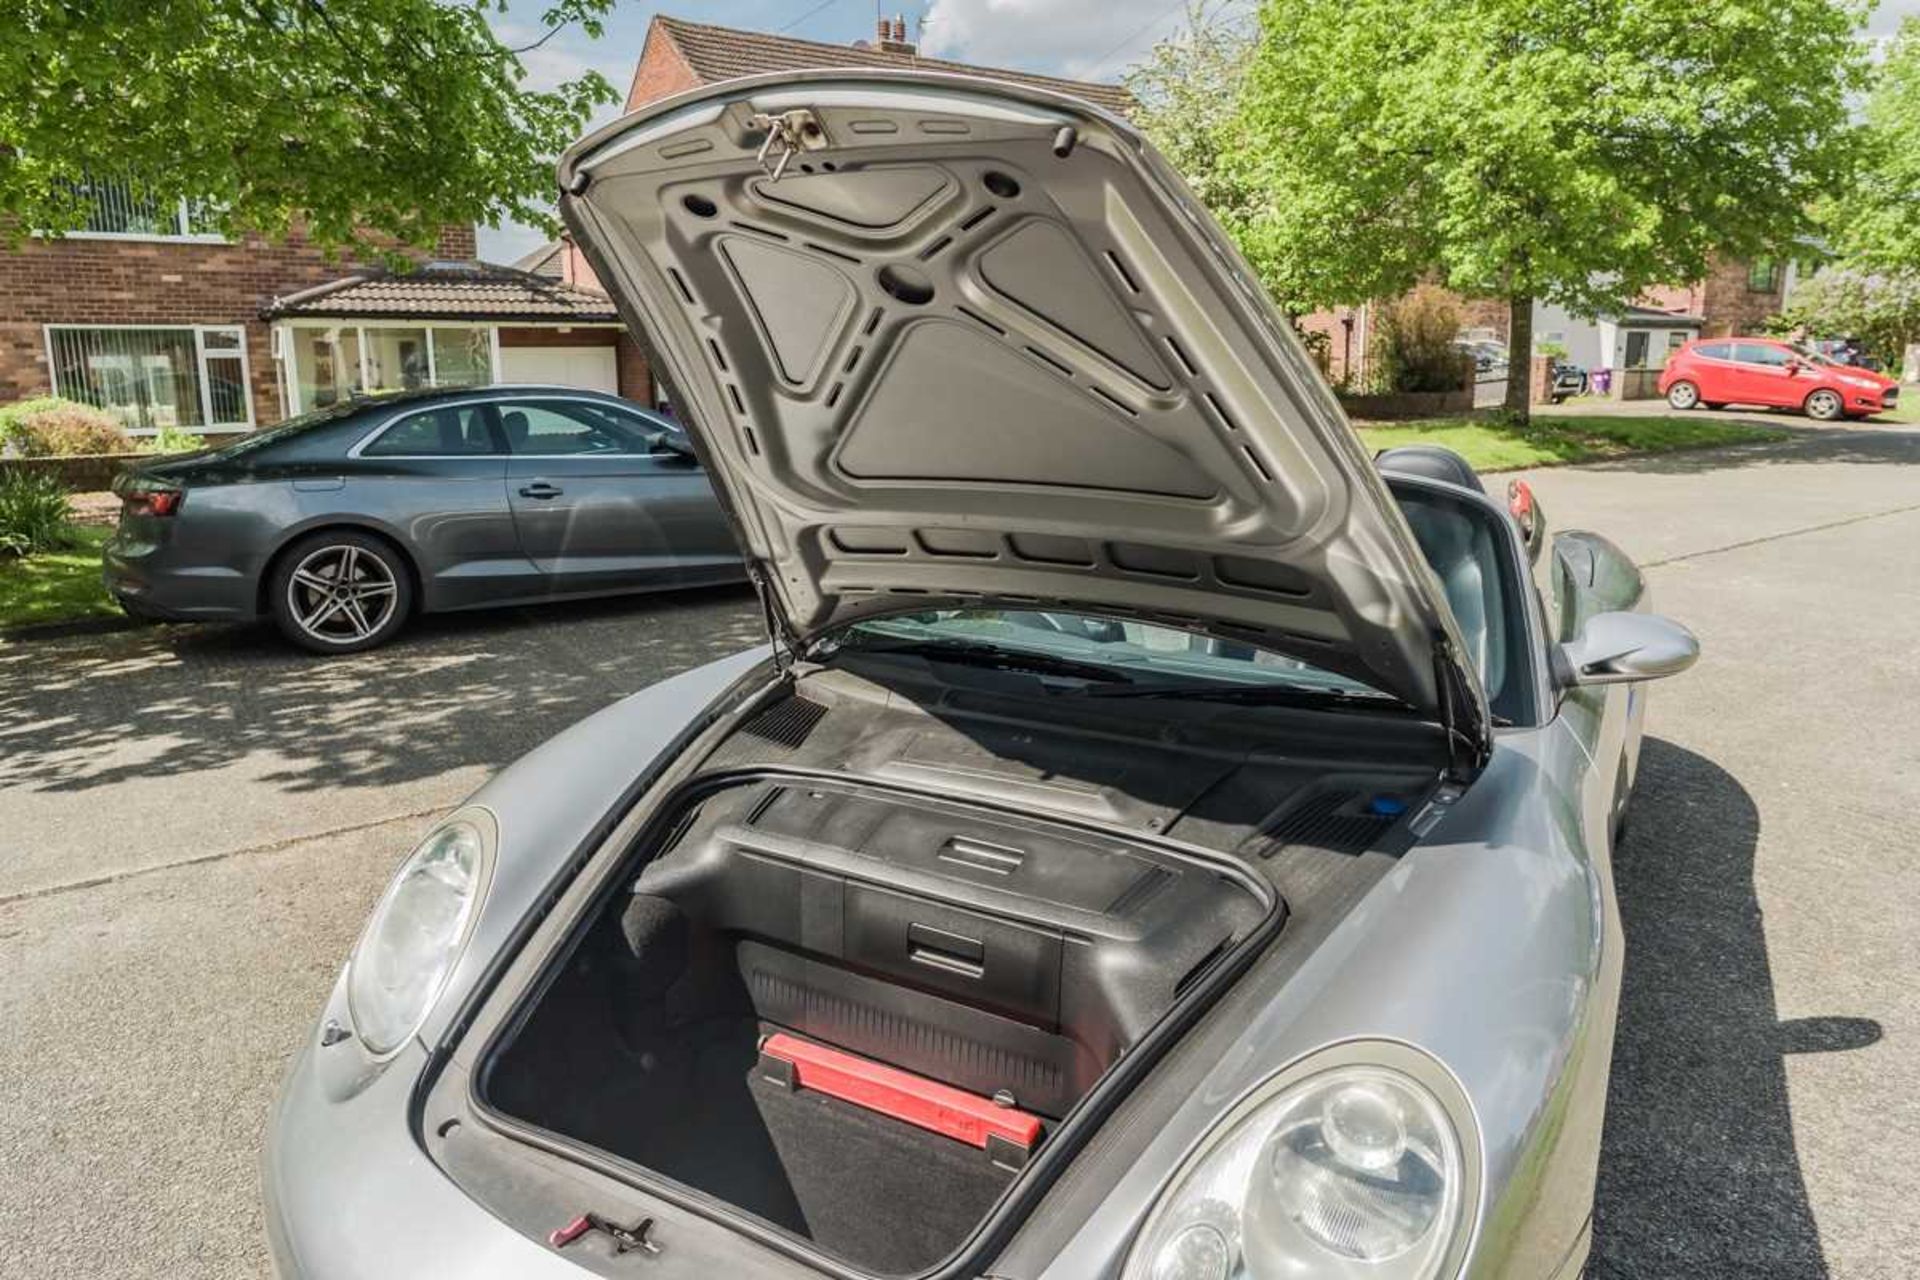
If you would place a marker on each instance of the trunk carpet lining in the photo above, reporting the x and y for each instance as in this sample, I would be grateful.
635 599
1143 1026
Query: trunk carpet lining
888 1195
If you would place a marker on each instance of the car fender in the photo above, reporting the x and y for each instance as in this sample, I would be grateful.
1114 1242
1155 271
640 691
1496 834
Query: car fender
1492 948
550 808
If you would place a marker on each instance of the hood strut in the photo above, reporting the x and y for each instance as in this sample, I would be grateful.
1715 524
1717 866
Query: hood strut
782 640
1469 741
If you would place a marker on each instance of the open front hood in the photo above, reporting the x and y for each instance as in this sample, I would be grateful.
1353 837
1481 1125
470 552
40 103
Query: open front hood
947 341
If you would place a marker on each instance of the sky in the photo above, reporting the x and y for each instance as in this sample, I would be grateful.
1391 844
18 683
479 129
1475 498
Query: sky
1082 39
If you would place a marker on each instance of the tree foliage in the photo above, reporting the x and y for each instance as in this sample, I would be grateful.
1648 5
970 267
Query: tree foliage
1875 223
1187 88
394 116
1575 151
1882 309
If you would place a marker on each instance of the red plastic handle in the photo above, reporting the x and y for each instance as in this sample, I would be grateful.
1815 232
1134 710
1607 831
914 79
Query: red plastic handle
915 1099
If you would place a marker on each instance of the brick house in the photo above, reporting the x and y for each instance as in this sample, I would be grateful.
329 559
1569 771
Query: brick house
148 313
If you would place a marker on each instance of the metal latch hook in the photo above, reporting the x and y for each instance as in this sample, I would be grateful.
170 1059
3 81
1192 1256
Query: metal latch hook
786 133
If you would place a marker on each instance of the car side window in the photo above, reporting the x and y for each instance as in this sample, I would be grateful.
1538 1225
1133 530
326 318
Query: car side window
550 427
449 432
1759 353
1714 350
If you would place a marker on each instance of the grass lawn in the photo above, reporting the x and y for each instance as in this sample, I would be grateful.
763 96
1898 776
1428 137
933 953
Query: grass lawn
1496 446
56 586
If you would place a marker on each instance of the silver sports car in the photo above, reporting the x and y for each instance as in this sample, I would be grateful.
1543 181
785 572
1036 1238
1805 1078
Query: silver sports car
1158 844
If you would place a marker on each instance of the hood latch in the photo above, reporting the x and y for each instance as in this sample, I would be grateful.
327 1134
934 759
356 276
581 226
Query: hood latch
788 132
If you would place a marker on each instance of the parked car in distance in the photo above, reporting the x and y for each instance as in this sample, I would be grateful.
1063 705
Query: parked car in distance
1568 380
342 524
1777 374
1160 842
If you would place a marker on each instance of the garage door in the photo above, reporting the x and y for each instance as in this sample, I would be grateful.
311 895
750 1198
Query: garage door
590 367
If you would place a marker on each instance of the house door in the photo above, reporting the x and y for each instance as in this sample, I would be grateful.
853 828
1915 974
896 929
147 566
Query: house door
1636 349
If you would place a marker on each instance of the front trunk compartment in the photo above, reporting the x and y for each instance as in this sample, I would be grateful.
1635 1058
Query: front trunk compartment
1007 957
947 872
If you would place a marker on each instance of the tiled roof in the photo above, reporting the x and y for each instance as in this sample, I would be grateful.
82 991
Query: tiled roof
722 53
544 261
449 291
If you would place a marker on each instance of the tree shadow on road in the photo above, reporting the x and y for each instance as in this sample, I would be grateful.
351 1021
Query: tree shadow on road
453 690
1699 1176
1890 444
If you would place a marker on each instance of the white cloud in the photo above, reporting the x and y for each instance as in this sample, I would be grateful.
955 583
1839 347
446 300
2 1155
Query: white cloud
1082 39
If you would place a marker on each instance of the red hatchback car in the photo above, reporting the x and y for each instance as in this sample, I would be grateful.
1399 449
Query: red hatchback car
1766 371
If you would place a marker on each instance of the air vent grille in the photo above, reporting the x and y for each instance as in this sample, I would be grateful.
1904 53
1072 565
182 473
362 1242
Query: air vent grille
1336 820
787 723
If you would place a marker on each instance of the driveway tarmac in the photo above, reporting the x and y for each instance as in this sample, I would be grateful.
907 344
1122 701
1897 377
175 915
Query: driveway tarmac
194 823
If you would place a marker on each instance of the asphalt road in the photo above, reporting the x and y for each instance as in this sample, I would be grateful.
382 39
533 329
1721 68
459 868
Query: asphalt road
194 823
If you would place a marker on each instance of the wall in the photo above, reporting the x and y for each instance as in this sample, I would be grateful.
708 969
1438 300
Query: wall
1728 306
84 280
661 72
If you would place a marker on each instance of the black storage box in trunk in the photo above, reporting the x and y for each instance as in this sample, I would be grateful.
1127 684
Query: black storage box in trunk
1003 957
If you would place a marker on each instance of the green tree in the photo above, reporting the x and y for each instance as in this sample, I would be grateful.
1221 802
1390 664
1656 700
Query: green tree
1187 88
1882 309
1875 223
390 116
1575 151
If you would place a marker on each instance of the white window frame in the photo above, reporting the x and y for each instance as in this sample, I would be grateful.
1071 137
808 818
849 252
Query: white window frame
290 369
182 216
200 355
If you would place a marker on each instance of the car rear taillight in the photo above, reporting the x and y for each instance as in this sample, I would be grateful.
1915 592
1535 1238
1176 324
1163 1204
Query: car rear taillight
151 502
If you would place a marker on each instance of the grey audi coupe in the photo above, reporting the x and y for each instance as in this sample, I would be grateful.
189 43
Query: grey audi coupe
342 524
1159 841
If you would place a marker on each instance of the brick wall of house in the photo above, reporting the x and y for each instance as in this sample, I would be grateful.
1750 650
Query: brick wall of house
1728 303
636 379
87 281
662 71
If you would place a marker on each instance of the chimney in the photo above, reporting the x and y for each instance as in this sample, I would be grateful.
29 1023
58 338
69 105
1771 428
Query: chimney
893 35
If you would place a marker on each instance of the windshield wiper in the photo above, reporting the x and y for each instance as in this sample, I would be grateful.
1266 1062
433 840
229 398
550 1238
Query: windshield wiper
975 654
1283 695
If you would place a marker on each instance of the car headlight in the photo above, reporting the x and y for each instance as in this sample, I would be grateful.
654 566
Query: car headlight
1353 1171
416 933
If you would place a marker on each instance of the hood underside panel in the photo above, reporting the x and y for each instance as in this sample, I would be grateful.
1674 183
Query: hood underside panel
974 344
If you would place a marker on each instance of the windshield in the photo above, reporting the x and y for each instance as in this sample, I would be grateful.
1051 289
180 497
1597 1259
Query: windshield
1808 353
1126 650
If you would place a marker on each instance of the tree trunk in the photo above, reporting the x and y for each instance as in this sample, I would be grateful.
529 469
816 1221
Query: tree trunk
1519 357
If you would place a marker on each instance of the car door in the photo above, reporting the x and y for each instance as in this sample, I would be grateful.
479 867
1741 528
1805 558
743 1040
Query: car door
1765 374
436 477
606 498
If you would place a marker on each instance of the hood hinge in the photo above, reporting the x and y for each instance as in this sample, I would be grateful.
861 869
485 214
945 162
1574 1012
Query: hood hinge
784 648
1469 745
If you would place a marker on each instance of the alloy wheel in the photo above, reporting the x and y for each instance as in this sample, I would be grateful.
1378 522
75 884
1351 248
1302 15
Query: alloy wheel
1683 395
1824 405
342 594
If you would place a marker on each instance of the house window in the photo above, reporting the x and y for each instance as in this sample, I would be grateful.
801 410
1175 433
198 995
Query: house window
329 363
114 208
188 377
1763 275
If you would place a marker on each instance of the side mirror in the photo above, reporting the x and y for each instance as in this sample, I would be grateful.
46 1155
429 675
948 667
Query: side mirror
1618 648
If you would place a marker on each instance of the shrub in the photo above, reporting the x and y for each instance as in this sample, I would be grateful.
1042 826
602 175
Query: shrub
1413 348
33 512
51 427
173 440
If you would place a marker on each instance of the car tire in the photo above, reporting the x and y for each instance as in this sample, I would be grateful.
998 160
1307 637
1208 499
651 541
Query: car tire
138 612
321 617
1825 406
1683 395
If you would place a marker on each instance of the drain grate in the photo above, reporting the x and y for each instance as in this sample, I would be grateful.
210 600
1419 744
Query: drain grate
1336 820
788 723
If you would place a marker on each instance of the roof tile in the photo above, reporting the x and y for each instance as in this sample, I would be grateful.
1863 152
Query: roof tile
724 53
450 291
